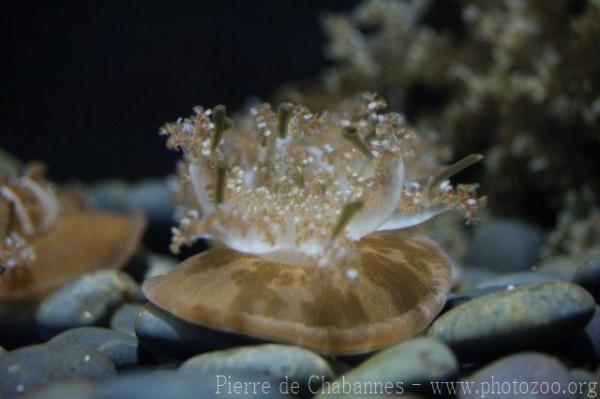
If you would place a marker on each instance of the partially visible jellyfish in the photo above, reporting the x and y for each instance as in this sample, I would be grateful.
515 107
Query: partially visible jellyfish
310 216
48 236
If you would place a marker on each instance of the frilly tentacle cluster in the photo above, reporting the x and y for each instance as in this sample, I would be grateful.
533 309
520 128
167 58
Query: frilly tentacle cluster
29 206
300 187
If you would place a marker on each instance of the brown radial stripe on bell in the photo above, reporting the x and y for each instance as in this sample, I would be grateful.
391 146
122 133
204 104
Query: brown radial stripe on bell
401 286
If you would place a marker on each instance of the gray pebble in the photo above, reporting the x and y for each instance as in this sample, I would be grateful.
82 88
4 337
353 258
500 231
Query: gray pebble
151 196
17 322
588 276
404 395
27 369
65 390
563 265
524 368
174 385
585 381
110 195
147 264
519 278
527 317
159 265
458 298
123 319
87 301
471 275
506 245
154 198
277 362
402 367
584 349
592 332
168 336
121 348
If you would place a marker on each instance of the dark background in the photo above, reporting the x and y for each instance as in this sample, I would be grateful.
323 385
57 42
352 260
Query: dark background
85 85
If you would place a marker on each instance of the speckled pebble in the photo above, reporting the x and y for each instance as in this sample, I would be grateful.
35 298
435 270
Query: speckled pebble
408 366
123 319
524 368
277 362
170 337
120 348
588 276
527 317
87 301
27 369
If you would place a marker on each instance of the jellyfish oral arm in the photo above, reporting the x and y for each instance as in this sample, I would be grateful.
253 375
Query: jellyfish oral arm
401 220
20 211
376 215
48 201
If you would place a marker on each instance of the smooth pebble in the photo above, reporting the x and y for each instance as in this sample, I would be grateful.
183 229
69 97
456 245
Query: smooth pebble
167 336
87 301
122 349
123 319
516 376
529 316
407 366
505 245
588 276
29 368
277 362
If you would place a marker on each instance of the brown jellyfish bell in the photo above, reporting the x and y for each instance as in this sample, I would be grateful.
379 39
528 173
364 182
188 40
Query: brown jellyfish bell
48 237
306 211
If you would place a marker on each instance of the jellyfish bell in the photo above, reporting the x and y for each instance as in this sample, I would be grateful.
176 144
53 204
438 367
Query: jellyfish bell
48 237
395 289
303 214
79 243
